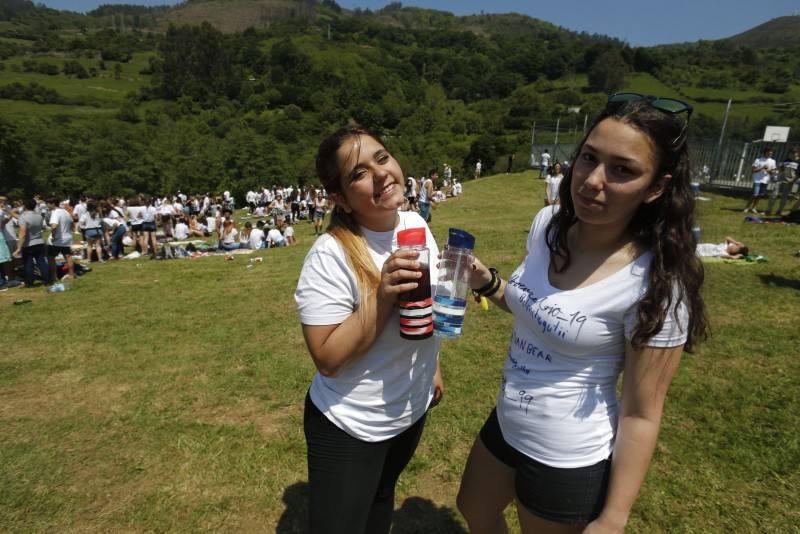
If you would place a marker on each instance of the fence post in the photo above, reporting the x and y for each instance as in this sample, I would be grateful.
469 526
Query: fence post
717 167
555 145
741 162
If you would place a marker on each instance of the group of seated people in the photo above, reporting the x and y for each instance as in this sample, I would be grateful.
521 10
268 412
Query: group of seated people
230 238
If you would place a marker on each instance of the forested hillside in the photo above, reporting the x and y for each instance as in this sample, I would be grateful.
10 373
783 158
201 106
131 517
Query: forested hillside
108 103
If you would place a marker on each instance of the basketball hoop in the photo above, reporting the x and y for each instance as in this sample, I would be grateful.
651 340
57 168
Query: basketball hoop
776 134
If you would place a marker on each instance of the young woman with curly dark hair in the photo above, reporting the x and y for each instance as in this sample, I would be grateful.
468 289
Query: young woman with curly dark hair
610 284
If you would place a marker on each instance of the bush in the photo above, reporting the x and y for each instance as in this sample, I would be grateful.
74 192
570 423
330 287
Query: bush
74 68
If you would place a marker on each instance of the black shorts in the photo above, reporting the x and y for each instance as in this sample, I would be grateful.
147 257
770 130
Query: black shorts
564 495
148 227
136 227
53 251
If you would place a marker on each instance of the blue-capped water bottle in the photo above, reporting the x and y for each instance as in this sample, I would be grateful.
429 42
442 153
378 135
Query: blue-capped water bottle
450 298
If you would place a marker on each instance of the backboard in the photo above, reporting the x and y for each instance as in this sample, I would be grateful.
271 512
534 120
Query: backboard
776 134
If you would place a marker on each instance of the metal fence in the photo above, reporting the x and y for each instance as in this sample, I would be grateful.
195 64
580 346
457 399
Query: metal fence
728 166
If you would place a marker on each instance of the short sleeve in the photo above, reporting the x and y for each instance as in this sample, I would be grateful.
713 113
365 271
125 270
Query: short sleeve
672 334
538 226
326 292
53 218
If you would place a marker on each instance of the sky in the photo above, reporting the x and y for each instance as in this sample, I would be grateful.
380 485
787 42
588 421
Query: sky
639 22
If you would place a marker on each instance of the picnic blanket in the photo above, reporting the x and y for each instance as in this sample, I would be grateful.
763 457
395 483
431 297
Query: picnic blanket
748 260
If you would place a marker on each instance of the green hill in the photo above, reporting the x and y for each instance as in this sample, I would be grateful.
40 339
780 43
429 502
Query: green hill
196 107
781 32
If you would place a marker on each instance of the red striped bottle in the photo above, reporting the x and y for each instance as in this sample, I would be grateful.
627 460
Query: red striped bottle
416 317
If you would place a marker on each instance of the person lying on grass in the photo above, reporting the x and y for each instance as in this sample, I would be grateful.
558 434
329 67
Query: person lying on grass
730 250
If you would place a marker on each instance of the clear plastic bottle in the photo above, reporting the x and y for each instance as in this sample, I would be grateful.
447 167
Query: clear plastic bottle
452 288
416 321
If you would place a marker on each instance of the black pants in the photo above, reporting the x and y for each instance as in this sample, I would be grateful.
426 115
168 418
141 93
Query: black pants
351 482
35 253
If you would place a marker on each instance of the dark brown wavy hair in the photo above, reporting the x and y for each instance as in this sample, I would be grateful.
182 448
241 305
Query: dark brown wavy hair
664 226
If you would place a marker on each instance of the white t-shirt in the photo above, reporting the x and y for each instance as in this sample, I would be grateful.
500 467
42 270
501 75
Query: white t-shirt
88 221
275 236
62 237
148 214
557 401
763 175
256 238
553 183
79 210
116 213
181 230
389 388
546 159
135 214
711 250
229 238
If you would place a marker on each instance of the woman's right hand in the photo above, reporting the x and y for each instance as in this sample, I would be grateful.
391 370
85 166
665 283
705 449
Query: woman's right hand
399 274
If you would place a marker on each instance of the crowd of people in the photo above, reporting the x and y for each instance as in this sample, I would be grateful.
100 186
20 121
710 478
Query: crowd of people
36 232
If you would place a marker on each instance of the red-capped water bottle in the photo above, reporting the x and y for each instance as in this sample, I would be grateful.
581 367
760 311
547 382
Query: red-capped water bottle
416 319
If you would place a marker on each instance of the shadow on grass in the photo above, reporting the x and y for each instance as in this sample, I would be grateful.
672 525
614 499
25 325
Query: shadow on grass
779 281
415 516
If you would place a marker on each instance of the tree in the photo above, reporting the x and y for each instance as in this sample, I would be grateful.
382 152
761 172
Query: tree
13 160
194 63
607 74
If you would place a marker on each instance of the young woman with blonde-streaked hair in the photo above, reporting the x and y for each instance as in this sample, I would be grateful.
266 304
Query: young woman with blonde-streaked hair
367 404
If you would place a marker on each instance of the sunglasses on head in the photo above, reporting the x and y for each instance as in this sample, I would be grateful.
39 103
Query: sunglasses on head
667 105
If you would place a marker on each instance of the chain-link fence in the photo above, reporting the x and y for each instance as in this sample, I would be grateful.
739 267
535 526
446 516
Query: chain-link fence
727 166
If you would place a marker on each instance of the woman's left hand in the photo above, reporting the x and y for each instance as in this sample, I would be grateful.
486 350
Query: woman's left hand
438 387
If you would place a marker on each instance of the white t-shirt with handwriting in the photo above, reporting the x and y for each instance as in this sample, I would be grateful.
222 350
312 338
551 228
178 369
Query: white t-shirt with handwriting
390 387
557 401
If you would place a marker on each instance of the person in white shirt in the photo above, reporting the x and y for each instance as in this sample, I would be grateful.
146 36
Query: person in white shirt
552 183
228 236
181 230
288 234
367 404
149 215
166 215
250 198
545 163
762 168
730 249
134 212
257 236
115 225
610 284
79 209
91 223
60 240
275 238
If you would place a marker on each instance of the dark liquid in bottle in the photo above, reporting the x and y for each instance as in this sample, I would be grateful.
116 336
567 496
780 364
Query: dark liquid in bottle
416 309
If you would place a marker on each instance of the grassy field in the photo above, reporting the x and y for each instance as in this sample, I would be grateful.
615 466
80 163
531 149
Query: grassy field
104 88
167 396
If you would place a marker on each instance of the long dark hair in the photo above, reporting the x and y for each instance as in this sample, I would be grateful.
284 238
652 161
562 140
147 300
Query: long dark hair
664 226
343 226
